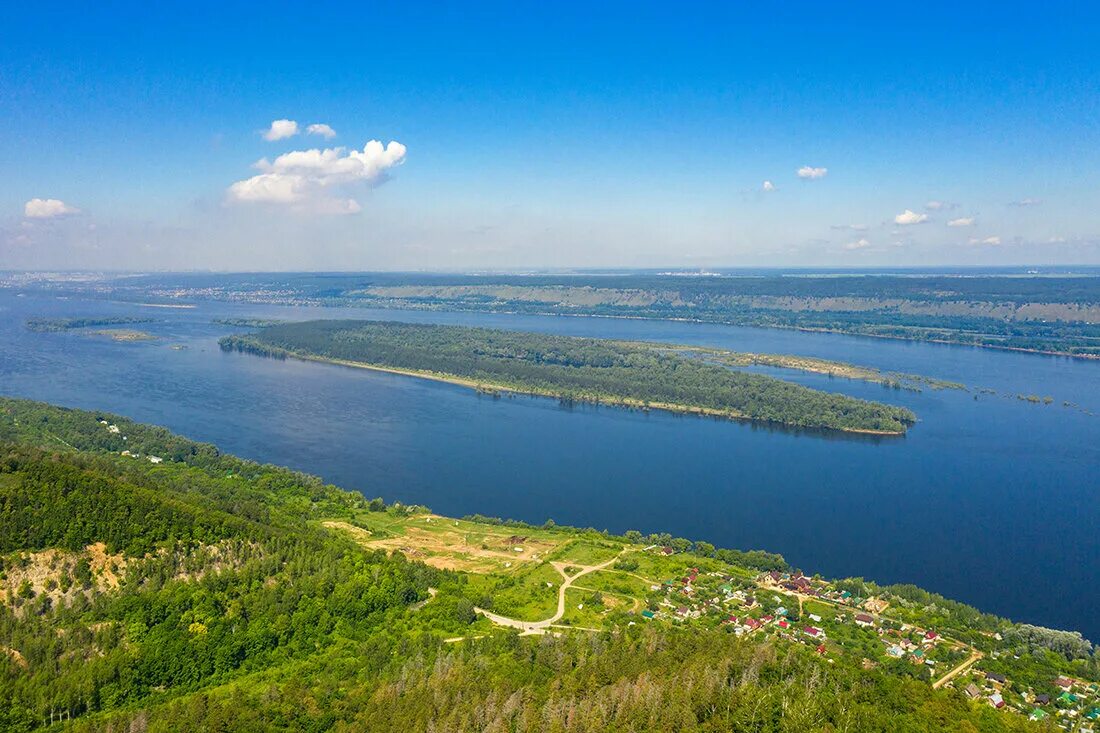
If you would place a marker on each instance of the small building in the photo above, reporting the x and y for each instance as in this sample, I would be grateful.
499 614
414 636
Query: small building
1043 699
996 700
1037 714
1064 682
896 651
812 631
972 691
666 550
863 619
648 614
931 636
781 611
783 624
995 678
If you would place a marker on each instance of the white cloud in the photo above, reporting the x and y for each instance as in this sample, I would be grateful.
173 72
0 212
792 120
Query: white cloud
858 244
280 130
809 173
988 240
768 186
910 217
321 129
1025 202
962 221
940 206
850 227
47 209
306 179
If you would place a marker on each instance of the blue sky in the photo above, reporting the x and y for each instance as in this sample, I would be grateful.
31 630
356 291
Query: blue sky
549 135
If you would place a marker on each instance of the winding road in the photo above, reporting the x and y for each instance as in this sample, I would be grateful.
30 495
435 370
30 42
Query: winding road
540 627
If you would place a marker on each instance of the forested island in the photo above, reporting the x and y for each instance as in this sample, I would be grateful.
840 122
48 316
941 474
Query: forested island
53 325
151 583
572 369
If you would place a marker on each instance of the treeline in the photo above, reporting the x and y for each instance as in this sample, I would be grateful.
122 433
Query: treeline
756 559
728 300
241 486
67 324
574 369
922 287
643 679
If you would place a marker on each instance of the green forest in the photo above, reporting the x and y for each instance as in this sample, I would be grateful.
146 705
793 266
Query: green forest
574 369
219 600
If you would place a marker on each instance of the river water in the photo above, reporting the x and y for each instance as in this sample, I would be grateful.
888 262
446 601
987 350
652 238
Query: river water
993 501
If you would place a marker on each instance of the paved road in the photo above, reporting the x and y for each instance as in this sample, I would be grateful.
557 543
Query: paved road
539 627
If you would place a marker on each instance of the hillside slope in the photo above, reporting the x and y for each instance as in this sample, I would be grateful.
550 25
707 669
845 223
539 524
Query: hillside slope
150 583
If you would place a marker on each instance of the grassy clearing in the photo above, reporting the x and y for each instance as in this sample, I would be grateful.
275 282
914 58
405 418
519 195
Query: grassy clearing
529 594
586 552
452 544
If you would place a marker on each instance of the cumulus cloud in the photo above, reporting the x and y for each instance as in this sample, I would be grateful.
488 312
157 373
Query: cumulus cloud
810 173
47 209
280 130
321 129
858 244
910 217
993 241
768 186
311 180
1025 202
962 221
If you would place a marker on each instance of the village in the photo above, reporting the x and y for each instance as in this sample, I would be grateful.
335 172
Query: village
549 580
815 613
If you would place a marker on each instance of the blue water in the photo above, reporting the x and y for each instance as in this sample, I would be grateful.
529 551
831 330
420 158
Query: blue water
993 501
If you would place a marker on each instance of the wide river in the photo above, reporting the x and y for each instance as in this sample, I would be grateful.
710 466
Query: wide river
993 501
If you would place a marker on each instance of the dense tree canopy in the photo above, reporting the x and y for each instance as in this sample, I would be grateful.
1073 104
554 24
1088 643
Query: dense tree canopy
574 369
